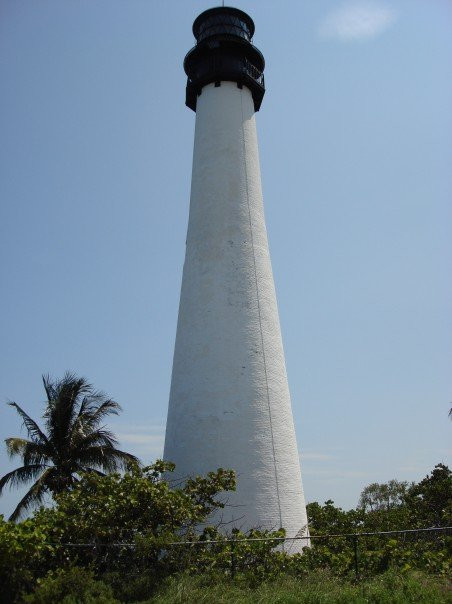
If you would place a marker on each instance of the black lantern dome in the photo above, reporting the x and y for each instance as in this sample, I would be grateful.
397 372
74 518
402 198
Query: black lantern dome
224 52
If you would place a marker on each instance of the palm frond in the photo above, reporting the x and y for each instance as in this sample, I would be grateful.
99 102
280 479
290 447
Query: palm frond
34 431
49 387
108 459
33 497
31 452
97 438
108 407
93 399
92 410
35 453
97 408
85 409
63 406
16 446
125 459
21 475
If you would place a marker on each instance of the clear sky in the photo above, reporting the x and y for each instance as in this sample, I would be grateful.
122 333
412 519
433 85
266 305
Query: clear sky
355 135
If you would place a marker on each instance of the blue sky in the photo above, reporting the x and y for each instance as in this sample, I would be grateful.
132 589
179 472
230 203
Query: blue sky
355 135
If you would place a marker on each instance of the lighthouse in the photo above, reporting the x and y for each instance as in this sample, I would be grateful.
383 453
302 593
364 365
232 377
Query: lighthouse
229 403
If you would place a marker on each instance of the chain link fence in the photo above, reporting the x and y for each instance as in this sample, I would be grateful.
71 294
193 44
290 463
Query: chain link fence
233 555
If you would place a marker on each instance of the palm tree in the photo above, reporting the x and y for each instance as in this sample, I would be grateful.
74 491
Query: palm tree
74 441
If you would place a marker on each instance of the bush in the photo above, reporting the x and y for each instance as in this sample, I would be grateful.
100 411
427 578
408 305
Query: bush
71 586
24 554
126 526
140 506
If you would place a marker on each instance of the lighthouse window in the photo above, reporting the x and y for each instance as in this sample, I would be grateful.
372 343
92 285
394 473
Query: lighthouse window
223 24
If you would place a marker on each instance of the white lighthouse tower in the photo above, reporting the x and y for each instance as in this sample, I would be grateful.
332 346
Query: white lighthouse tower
230 404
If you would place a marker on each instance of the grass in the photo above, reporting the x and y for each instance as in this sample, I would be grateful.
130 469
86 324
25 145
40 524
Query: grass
317 588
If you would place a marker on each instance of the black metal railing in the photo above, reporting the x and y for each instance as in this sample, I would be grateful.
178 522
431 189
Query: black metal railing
253 72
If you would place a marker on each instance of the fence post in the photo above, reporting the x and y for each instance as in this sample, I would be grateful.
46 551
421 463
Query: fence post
355 547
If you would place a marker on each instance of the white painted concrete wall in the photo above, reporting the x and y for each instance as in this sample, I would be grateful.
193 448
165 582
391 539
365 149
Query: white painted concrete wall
230 403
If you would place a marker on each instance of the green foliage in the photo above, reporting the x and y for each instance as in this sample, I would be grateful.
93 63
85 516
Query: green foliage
385 507
99 512
71 586
136 531
141 503
24 553
74 441
328 519
430 501
376 497
232 554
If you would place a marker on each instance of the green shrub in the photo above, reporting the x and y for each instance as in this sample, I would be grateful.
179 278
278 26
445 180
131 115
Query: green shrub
71 586
24 555
125 527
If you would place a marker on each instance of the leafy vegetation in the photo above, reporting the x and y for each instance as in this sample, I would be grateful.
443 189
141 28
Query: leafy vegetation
71 586
75 441
383 496
135 537
89 520
422 505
